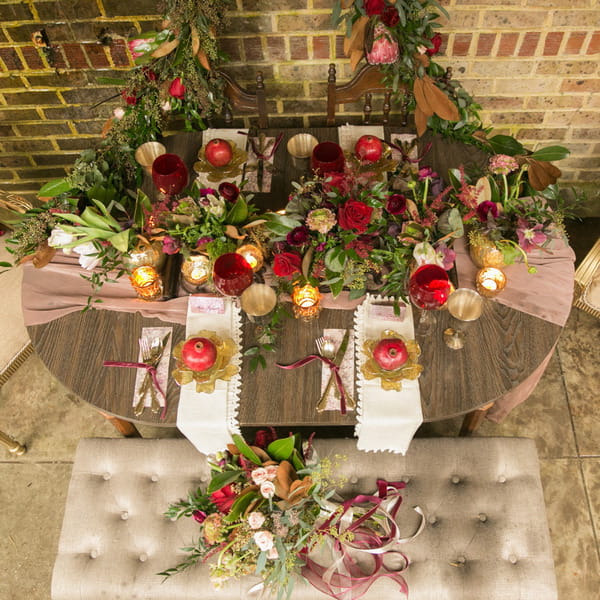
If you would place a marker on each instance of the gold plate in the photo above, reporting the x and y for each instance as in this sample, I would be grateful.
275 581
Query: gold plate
218 174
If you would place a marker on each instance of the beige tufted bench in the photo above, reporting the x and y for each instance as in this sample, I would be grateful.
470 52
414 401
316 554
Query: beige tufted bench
486 535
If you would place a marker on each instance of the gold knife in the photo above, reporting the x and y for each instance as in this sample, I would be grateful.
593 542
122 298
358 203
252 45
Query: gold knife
337 360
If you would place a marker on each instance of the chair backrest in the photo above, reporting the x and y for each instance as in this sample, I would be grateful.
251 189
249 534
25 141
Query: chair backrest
244 101
366 82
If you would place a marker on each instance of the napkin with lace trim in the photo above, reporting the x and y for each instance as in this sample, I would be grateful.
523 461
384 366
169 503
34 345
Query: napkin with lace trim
208 420
386 420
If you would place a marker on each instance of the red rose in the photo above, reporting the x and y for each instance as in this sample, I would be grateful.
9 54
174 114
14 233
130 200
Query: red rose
374 7
355 215
285 264
396 204
229 191
390 16
131 100
436 40
149 74
223 498
177 89
335 181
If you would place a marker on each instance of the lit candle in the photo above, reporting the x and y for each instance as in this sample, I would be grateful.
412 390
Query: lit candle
147 283
253 255
490 281
196 269
306 301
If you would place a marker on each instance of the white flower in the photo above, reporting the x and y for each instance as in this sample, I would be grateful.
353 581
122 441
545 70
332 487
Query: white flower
272 553
88 258
264 540
255 519
271 472
259 475
166 106
59 237
216 206
119 113
425 254
267 489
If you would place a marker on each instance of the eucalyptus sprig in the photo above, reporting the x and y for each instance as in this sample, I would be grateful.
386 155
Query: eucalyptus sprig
266 337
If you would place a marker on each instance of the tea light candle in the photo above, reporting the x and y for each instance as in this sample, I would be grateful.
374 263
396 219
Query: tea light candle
147 283
490 281
196 269
253 255
306 301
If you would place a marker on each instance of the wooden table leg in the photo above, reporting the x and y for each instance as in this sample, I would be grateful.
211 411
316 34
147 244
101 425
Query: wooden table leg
474 419
125 428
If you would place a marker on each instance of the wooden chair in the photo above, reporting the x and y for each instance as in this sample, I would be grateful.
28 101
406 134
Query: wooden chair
244 101
366 82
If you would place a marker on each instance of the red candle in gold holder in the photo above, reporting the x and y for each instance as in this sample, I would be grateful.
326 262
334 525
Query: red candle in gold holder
306 302
253 256
490 281
147 283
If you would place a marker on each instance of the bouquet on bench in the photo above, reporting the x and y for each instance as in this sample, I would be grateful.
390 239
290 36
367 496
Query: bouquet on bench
270 511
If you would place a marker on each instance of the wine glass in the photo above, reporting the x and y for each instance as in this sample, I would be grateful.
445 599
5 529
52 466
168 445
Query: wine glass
429 288
169 174
327 157
232 274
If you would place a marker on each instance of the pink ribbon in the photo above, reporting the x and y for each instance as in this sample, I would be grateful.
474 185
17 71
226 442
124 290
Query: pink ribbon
334 369
354 583
153 374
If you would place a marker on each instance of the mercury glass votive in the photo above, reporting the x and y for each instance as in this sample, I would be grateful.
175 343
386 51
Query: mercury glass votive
490 281
196 269
147 283
253 256
306 302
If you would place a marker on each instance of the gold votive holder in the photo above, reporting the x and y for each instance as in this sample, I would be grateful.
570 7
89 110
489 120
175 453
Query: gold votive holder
253 255
306 302
147 283
196 269
490 281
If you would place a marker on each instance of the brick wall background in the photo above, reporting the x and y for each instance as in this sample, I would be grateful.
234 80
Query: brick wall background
532 64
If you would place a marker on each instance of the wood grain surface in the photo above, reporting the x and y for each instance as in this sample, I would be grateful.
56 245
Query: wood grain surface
502 348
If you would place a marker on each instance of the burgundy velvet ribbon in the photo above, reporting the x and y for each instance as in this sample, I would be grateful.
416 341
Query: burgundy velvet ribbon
356 583
150 369
405 156
264 156
334 369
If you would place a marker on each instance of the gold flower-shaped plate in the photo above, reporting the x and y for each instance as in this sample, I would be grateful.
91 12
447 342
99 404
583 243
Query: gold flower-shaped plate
392 380
380 168
218 174
222 369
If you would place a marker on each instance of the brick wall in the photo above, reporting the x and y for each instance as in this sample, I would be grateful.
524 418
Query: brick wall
532 64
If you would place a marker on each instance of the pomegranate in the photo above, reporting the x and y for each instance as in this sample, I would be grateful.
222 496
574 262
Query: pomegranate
390 353
199 354
368 148
218 152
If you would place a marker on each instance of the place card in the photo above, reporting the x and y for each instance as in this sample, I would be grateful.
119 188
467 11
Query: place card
212 305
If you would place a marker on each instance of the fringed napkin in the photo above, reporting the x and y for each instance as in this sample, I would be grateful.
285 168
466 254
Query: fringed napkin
208 420
386 420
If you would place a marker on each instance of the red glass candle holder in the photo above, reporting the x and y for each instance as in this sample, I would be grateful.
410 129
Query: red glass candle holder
232 274
429 287
327 157
169 174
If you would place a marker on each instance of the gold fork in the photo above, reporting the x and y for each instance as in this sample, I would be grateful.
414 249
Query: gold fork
152 353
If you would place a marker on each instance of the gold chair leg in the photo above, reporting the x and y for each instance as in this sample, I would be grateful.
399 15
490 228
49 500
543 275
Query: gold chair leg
13 446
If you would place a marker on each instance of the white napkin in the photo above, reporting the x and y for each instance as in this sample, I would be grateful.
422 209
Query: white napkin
386 420
349 134
231 135
208 420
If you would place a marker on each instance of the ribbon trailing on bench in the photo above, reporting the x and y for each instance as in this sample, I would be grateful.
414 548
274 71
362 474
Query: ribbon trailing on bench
335 369
344 578
150 369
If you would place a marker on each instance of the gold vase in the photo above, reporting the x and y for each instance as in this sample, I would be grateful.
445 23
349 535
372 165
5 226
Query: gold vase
484 252
145 255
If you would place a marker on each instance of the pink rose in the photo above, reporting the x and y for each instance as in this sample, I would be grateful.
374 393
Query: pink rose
177 89
267 489
255 520
273 554
271 471
356 215
264 540
259 475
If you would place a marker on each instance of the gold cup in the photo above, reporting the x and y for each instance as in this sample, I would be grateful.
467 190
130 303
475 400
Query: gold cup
147 283
300 147
258 300
306 302
147 153
465 304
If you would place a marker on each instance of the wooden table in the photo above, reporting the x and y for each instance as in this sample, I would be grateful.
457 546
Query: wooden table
503 348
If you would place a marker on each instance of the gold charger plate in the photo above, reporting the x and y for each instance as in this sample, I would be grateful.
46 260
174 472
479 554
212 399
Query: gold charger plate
218 174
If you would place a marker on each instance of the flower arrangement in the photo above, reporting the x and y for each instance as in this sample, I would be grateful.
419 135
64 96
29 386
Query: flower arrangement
346 231
402 38
268 510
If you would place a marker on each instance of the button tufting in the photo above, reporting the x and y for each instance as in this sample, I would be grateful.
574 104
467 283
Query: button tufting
455 479
106 476
124 515
406 480
482 517
143 557
432 520
154 478
513 559
93 553
502 479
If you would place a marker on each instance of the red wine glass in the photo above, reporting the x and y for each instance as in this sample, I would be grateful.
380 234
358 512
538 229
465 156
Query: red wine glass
429 288
169 174
232 274
327 157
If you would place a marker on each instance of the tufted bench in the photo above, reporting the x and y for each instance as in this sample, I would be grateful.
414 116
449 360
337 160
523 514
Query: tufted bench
486 535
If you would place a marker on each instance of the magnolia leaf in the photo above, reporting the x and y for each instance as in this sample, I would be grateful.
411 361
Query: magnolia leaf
483 190
442 106
254 223
203 59
43 255
195 39
107 127
420 121
356 41
283 480
550 153
541 174
506 144
220 480
355 58
307 261
232 232
238 213
335 259
54 188
281 449
280 224
241 503
244 449
120 240
455 177
165 48
421 98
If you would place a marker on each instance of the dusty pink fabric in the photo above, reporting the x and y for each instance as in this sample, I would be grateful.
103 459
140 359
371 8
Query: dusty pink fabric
58 289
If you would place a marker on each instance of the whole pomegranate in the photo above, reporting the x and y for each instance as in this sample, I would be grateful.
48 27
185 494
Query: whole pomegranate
368 148
390 353
218 152
199 354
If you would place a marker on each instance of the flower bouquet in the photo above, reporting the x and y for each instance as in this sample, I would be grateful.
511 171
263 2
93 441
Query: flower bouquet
268 510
